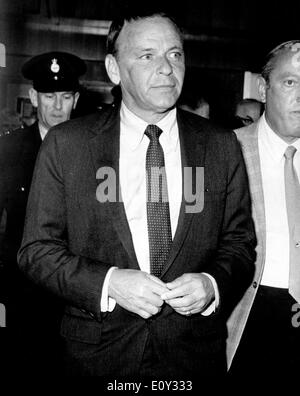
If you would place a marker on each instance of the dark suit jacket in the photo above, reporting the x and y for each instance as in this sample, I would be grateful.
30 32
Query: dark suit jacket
32 327
18 152
71 240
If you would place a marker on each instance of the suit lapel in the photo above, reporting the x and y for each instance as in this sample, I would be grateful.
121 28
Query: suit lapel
104 148
192 146
248 138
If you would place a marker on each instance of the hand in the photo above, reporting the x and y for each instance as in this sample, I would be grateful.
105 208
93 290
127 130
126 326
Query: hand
137 291
190 293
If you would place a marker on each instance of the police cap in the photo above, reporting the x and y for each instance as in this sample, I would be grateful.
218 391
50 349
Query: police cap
54 71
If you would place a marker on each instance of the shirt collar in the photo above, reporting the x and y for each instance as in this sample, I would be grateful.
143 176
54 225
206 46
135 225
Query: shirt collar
272 141
43 131
134 127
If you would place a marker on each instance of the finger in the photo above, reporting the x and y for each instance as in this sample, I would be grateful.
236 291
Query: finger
180 291
177 282
143 314
149 308
153 298
180 302
187 312
157 280
156 285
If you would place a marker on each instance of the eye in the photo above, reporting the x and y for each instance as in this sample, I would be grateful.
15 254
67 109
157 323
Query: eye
289 82
146 57
68 96
49 95
176 55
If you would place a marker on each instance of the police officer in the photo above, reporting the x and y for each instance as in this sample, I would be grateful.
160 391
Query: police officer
54 92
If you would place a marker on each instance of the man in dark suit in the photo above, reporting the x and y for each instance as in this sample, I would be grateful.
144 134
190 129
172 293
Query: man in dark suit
146 281
54 93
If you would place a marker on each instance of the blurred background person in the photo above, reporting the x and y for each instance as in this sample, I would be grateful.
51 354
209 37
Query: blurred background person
247 111
193 101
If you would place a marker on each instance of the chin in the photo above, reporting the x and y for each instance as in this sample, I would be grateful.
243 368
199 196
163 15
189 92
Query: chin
165 105
57 121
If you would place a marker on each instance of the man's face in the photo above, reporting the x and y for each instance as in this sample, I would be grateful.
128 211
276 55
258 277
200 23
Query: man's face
53 107
282 96
150 65
248 113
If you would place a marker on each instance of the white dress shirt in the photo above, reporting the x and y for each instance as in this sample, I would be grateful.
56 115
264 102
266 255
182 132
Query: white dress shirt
43 131
133 148
271 152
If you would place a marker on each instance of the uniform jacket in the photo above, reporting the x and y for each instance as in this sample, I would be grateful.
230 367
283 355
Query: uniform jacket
18 152
33 315
71 240
248 138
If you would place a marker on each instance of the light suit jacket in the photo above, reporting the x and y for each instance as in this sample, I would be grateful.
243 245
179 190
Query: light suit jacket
248 138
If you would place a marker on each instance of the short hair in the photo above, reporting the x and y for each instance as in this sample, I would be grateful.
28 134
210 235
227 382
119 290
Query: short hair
273 55
251 101
135 14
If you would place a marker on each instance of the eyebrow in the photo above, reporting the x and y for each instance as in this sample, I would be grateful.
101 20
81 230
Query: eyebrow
175 47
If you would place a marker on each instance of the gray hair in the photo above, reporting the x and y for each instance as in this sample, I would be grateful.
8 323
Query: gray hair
273 55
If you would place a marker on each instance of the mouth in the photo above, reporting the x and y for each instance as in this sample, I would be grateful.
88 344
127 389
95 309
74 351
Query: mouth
57 115
166 87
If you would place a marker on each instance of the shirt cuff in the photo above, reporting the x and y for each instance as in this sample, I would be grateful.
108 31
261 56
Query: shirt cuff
107 304
213 305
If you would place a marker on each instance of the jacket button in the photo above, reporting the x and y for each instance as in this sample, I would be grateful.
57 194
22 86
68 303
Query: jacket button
254 285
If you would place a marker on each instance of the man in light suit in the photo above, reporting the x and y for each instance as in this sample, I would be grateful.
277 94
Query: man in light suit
90 229
263 327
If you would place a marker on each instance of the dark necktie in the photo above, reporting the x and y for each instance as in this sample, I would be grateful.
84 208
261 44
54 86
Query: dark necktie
292 193
158 213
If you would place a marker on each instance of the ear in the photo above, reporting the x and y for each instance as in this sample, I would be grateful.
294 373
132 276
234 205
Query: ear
262 87
76 97
33 97
112 69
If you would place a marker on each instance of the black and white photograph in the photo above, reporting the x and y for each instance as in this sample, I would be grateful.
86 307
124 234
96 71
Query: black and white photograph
150 193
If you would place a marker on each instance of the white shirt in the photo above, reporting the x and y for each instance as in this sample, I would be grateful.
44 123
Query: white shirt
43 131
133 148
271 152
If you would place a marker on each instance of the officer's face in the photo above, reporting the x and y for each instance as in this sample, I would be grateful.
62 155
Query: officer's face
150 66
54 107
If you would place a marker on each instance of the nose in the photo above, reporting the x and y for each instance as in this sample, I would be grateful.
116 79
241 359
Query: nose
58 102
165 66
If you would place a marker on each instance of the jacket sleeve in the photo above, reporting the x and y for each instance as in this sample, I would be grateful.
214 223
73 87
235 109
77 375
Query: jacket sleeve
233 264
44 254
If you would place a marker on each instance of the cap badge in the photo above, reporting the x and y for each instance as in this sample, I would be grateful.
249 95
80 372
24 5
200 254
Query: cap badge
54 66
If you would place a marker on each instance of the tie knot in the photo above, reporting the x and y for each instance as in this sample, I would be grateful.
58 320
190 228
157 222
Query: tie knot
290 152
153 132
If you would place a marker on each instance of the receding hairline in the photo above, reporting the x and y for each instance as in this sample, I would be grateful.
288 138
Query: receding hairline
117 27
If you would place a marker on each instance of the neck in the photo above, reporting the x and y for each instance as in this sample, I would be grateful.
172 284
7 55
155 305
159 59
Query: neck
148 116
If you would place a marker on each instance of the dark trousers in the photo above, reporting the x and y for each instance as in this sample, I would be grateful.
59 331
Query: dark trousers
270 345
30 342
